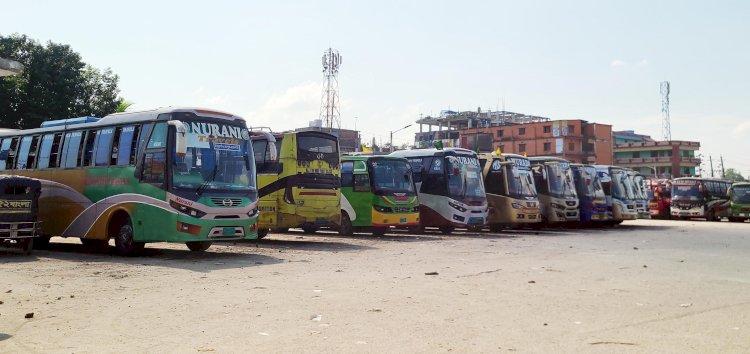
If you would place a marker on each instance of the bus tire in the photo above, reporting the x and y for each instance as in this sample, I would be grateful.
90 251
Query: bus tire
41 243
379 231
710 216
26 245
309 229
446 229
346 228
198 246
496 227
262 233
124 242
95 243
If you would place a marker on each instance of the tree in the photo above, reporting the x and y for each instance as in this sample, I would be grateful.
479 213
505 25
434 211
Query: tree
123 106
55 84
734 175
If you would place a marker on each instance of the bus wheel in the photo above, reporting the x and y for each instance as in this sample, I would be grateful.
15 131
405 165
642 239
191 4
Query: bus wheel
26 245
124 242
346 225
496 227
41 243
309 229
198 246
710 216
446 229
95 244
261 233
379 231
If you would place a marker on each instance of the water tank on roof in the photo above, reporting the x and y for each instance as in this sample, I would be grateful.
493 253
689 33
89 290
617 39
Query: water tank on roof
69 121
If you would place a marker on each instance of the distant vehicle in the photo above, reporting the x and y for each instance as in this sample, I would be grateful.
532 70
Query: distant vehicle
511 194
739 196
619 190
299 180
449 186
705 198
377 192
591 197
640 190
659 197
19 207
553 179
174 174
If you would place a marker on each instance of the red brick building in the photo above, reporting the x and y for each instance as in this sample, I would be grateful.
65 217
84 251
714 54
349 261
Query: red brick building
575 140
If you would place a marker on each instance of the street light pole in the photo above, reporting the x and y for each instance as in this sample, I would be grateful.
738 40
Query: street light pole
396 131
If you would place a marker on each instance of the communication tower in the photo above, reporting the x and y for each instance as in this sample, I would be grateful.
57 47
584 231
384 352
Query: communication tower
329 103
666 129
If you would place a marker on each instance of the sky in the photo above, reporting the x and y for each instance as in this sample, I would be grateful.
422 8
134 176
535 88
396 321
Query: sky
600 61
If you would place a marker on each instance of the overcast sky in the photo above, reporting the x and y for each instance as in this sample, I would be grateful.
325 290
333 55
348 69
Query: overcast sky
601 61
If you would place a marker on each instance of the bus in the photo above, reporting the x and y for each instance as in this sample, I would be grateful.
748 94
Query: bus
739 197
299 180
553 179
591 197
705 198
641 194
377 192
511 194
618 189
659 197
449 186
165 175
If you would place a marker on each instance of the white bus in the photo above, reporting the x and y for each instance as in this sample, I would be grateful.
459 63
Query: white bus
449 186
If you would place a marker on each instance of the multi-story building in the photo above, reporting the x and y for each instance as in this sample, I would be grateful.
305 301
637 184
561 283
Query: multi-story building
674 158
575 140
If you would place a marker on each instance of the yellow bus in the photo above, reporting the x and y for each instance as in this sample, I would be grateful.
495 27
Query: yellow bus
299 180
511 194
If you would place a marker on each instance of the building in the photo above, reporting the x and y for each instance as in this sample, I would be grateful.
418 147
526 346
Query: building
671 159
10 67
575 140
446 127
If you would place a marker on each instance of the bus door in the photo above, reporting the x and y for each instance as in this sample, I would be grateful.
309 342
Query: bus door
270 190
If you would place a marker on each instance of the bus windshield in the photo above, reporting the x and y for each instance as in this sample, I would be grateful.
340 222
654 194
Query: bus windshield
520 182
741 194
464 177
622 188
219 157
317 146
587 184
391 176
560 179
639 187
687 191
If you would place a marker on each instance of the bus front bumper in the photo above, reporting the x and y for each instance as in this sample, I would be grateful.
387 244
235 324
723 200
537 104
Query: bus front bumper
394 219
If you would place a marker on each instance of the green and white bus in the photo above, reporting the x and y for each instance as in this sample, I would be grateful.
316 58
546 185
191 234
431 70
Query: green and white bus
377 192
174 175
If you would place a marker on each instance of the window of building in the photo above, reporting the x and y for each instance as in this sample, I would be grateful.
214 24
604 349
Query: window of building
547 146
547 129
571 129
636 154
499 133
571 146
104 147
521 131
521 147
501 147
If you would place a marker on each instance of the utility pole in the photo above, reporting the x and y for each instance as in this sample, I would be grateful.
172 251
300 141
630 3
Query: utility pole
721 158
712 165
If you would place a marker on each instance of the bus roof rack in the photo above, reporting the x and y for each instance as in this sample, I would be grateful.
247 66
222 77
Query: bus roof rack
69 121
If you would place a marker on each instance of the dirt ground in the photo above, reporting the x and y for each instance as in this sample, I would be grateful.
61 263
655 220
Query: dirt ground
647 286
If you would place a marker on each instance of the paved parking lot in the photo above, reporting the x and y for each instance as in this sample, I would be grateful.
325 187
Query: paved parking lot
646 286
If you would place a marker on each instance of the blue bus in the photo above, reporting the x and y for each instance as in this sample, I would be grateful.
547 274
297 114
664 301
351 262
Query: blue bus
591 198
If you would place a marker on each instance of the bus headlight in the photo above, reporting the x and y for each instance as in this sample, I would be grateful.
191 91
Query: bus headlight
457 207
558 206
186 209
383 209
253 212
516 206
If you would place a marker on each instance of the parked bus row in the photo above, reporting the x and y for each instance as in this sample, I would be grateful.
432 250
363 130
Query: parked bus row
198 176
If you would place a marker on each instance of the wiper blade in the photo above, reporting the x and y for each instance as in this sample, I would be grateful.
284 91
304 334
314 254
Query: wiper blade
205 184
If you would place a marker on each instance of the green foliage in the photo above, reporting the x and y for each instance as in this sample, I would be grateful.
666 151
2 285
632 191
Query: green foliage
55 84
734 175
123 106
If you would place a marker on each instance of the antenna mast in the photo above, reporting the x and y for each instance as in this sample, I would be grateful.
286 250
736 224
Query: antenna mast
329 103
666 129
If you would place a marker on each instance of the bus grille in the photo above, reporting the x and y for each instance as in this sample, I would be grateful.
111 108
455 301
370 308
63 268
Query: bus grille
227 202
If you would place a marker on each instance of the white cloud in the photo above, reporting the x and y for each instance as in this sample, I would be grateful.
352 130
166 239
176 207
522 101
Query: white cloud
215 101
643 62
617 62
742 130
293 108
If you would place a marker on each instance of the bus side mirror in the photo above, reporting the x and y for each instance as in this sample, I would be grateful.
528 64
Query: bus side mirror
272 156
180 141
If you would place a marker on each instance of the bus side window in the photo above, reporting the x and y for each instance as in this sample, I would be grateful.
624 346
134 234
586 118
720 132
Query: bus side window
155 156
87 149
71 147
158 137
44 151
33 152
12 153
260 148
123 149
23 153
4 147
134 146
54 155
347 176
362 182
433 179
103 147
